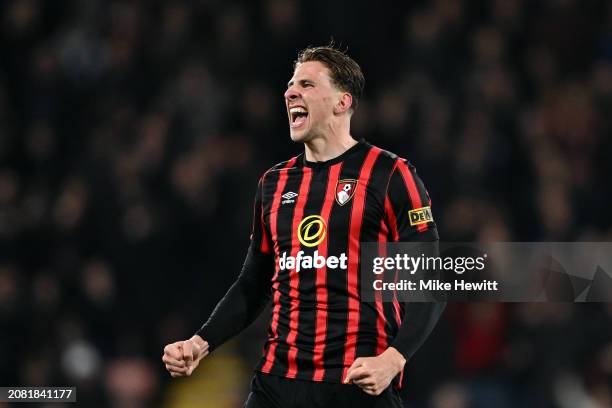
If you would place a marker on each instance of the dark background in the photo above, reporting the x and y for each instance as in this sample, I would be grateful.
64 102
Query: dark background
133 133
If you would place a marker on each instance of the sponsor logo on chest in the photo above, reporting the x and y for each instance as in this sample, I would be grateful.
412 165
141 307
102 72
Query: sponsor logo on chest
311 232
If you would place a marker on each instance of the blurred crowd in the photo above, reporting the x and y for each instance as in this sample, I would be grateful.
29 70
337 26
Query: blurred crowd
133 133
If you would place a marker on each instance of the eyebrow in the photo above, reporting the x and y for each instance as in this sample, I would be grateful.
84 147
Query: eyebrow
301 82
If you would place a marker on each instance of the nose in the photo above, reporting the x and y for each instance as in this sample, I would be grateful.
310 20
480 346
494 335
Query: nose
291 94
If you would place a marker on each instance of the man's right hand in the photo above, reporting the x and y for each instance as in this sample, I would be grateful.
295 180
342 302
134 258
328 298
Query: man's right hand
182 357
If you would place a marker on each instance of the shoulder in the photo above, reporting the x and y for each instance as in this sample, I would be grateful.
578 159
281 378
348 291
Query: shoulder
397 172
290 163
391 160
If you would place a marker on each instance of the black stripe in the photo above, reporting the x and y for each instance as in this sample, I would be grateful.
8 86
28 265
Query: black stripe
374 210
339 226
308 295
285 238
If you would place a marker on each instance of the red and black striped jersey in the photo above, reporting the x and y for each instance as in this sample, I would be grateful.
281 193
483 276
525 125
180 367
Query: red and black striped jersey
311 218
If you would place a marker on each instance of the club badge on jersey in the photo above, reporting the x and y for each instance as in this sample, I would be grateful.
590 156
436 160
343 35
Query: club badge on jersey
345 190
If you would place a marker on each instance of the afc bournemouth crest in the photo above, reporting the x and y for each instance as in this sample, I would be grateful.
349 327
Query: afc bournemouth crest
345 189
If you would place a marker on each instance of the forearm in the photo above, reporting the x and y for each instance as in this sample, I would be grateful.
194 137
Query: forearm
243 302
419 318
417 324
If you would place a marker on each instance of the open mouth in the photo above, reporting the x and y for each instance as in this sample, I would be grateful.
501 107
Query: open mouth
298 116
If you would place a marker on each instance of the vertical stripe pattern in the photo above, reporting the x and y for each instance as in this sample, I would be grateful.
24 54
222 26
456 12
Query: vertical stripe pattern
319 325
280 186
415 198
294 282
321 278
352 326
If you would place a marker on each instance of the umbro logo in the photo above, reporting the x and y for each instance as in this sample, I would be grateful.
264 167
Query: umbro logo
289 197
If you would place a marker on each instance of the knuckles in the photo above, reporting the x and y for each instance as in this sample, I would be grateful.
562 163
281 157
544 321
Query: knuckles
172 348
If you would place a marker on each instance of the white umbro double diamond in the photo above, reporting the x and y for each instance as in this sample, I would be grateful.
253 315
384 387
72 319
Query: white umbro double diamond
289 197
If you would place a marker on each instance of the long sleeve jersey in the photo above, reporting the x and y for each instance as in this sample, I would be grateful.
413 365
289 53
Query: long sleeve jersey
310 219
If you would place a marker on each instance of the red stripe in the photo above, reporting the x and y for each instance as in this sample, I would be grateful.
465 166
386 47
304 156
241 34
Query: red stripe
294 277
381 337
352 326
264 245
413 191
395 237
265 241
272 340
321 279
396 306
401 378
391 219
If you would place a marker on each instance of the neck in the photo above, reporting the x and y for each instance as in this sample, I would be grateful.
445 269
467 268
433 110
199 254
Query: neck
327 147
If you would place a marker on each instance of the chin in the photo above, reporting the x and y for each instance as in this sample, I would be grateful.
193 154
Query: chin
299 137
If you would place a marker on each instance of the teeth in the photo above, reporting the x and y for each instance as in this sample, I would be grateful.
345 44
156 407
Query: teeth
298 110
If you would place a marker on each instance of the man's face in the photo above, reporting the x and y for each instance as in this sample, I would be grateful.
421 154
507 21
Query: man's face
310 100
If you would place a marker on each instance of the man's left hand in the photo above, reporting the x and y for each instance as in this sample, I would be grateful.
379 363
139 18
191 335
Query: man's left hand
374 374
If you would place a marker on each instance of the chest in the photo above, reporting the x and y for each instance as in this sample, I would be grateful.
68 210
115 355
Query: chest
309 207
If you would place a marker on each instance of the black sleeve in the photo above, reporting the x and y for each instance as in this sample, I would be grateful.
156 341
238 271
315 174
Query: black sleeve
410 217
248 296
243 302
418 322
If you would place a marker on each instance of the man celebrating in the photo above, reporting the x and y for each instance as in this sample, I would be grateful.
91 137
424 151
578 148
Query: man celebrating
325 346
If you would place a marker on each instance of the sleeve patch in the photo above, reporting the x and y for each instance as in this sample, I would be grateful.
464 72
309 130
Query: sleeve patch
420 216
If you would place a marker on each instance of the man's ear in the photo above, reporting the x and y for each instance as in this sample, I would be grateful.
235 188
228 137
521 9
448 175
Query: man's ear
344 103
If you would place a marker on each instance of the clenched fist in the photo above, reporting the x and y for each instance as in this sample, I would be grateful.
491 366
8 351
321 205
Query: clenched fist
182 357
374 374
